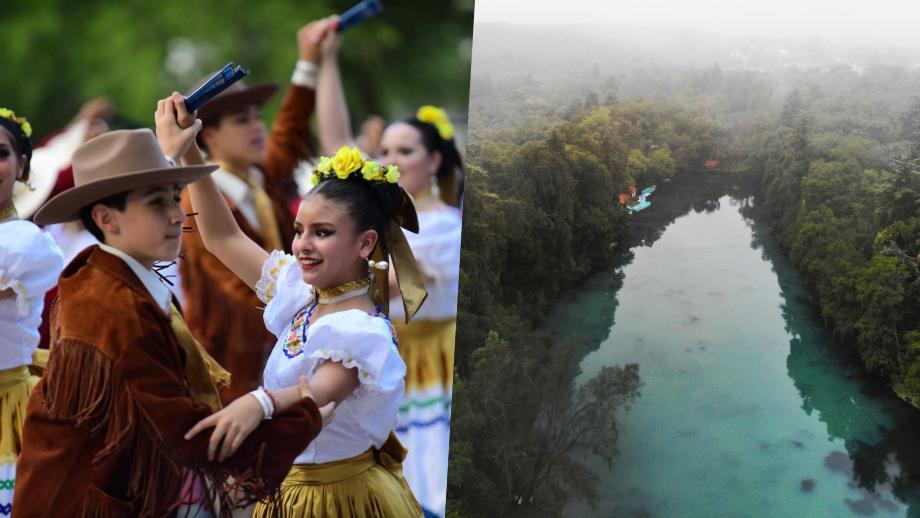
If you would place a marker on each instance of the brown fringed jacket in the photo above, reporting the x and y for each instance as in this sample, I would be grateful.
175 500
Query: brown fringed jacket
104 430
223 312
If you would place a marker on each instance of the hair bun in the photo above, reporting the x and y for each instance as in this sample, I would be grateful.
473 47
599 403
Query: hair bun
390 196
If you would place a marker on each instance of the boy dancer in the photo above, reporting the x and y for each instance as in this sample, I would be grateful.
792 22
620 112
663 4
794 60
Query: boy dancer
104 432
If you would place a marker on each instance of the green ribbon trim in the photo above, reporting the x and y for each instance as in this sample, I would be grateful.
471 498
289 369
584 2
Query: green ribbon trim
425 403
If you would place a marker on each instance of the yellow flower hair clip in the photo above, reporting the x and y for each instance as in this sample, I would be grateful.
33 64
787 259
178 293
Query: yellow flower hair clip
23 124
348 161
437 117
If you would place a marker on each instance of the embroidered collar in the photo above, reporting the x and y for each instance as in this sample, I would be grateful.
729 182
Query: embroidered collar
344 291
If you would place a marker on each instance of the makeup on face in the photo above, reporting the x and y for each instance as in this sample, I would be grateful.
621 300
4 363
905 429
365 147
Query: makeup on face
326 245
9 168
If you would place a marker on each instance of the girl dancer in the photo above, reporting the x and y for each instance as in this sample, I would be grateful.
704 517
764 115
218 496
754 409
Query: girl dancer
423 148
30 263
330 320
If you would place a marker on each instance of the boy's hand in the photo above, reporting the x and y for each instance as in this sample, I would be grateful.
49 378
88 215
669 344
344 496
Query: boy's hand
176 127
318 39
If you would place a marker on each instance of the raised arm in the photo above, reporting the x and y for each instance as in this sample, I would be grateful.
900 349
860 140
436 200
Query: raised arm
331 109
176 130
291 136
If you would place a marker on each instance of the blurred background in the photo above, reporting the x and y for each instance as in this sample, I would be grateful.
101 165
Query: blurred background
59 54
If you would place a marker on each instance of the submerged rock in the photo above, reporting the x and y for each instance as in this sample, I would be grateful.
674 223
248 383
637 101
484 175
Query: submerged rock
807 485
889 506
838 461
861 507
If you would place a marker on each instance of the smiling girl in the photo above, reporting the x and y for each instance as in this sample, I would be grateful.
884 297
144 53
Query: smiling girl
30 263
329 315
430 166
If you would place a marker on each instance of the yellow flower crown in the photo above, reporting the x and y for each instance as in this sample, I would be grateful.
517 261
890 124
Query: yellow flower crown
23 124
437 117
348 161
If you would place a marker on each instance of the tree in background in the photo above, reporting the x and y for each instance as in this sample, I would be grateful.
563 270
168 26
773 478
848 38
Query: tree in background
58 54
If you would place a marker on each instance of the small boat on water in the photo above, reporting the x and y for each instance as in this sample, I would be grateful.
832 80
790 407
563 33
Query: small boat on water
641 200
639 206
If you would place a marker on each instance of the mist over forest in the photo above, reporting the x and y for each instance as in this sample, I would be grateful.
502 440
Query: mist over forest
523 75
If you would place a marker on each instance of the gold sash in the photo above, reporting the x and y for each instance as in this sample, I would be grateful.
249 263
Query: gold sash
262 202
203 372
390 456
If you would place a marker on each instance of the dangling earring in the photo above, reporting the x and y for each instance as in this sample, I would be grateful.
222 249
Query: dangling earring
379 265
375 265
435 190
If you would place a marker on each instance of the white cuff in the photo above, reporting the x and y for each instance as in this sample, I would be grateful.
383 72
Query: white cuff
265 402
304 74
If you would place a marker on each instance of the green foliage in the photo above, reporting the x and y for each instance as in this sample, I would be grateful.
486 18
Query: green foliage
520 422
636 164
850 224
661 167
64 53
540 215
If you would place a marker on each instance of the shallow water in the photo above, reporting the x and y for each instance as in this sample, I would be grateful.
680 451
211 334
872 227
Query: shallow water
748 407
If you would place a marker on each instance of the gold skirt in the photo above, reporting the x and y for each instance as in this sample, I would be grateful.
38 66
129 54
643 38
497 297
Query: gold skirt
427 347
370 485
16 386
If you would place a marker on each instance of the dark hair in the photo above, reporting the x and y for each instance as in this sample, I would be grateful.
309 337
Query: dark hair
213 122
369 204
21 143
451 161
116 201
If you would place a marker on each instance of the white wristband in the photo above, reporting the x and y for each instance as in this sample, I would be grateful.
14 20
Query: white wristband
265 402
304 74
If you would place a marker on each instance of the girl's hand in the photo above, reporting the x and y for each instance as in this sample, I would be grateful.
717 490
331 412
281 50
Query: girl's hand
231 425
176 127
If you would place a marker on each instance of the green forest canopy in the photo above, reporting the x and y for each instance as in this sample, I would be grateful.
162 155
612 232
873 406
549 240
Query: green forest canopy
58 54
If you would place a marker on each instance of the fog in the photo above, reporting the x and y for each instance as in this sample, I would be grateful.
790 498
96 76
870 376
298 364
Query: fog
881 23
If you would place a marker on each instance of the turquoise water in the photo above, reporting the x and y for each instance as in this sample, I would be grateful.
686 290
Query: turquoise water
748 407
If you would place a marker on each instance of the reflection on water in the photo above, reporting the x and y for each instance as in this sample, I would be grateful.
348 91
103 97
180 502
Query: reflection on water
748 408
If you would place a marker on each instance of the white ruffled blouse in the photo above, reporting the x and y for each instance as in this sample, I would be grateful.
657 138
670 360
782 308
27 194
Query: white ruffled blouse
437 249
352 337
30 263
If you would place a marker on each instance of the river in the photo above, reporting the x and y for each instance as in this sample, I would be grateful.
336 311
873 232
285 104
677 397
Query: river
749 407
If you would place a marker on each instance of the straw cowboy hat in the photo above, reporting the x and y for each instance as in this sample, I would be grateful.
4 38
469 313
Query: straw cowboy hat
112 163
236 96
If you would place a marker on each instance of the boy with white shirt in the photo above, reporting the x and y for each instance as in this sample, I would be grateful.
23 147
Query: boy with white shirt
105 427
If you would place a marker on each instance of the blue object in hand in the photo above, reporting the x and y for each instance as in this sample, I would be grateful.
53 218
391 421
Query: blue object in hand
216 84
362 12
